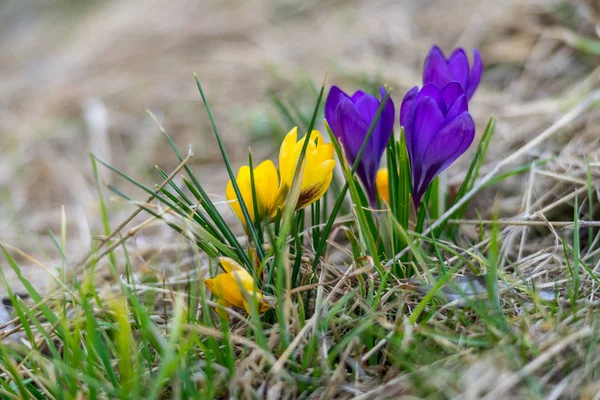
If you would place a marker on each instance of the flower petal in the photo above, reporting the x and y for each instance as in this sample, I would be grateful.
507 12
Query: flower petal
407 114
353 128
450 143
333 99
318 172
326 151
287 161
450 93
357 96
435 69
243 182
387 121
459 107
382 183
475 75
266 184
315 182
426 125
433 91
235 287
318 167
230 265
224 287
458 64
367 107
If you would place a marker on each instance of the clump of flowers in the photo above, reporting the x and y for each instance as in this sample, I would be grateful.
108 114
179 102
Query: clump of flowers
272 188
437 125
438 129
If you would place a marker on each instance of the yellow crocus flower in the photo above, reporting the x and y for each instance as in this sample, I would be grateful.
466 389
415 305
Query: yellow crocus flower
235 287
266 184
318 166
381 181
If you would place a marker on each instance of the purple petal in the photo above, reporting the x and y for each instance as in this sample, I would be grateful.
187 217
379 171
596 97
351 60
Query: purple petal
427 122
357 96
333 99
451 92
387 120
354 129
407 114
435 69
367 107
460 106
475 75
431 90
458 64
449 144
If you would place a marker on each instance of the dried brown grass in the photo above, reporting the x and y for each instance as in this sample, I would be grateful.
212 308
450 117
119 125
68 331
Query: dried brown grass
78 79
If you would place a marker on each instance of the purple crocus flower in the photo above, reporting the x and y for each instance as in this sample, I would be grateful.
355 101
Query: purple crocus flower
441 71
350 118
438 130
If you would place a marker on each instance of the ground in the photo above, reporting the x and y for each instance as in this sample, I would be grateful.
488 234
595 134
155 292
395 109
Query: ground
78 77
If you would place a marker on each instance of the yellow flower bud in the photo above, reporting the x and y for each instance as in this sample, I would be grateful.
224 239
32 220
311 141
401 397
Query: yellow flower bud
381 181
235 287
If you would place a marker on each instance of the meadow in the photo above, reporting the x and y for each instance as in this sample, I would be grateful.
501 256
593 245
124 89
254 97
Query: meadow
338 200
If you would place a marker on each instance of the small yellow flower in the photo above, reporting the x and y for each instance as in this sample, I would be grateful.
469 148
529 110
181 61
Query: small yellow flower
266 184
318 166
235 287
381 181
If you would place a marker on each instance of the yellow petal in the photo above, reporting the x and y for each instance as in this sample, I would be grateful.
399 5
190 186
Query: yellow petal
266 185
315 182
243 182
236 271
230 265
236 286
381 181
326 152
226 289
287 161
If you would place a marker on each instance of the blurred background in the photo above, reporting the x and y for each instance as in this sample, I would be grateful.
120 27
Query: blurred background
78 76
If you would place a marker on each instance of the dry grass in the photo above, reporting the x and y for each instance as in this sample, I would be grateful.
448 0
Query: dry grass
78 77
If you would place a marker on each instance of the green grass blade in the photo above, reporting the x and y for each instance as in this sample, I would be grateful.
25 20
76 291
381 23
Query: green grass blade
206 203
253 234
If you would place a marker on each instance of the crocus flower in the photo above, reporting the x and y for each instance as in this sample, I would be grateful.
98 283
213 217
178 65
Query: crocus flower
382 183
266 184
438 130
318 166
235 287
441 71
350 118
